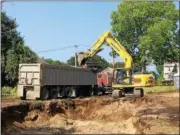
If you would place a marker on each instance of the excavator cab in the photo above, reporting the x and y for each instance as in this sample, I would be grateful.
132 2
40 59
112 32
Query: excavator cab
123 76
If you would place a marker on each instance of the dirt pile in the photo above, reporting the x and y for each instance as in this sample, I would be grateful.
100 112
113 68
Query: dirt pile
150 114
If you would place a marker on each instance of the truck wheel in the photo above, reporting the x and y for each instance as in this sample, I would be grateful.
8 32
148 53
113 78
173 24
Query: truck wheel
91 92
97 92
116 93
70 92
103 90
53 93
44 94
139 92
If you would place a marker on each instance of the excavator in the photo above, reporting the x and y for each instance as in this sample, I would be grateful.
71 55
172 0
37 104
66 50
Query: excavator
126 83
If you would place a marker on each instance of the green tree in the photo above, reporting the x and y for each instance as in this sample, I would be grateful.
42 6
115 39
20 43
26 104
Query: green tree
11 67
160 72
55 62
113 54
49 61
117 65
147 30
176 45
13 51
27 55
71 61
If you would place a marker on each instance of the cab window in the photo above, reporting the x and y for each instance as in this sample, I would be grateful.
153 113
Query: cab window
99 76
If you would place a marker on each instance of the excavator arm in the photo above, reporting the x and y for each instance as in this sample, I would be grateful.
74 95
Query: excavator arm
108 39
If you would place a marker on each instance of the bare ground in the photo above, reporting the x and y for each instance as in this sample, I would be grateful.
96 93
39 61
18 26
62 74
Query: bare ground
153 114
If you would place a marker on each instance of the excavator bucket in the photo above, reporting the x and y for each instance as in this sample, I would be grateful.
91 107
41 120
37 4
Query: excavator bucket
81 57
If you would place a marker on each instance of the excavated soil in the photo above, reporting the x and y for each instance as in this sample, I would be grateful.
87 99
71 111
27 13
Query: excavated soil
152 114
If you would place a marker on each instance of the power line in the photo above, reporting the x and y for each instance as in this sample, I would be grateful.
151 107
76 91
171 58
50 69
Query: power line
57 49
63 48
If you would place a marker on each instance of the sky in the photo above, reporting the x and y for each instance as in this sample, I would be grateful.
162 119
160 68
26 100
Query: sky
53 25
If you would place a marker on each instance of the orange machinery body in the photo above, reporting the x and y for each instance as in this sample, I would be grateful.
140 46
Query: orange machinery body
104 79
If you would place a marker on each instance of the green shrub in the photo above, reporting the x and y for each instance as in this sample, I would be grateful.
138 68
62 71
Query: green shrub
7 91
37 105
23 103
159 89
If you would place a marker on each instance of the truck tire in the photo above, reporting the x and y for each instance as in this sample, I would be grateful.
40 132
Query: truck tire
44 94
70 92
97 92
91 92
116 93
103 90
138 92
53 93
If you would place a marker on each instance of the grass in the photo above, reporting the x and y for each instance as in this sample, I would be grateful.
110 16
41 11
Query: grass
160 89
9 92
23 103
37 105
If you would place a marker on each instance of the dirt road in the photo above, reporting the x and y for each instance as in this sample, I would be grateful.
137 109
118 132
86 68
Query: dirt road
9 102
152 114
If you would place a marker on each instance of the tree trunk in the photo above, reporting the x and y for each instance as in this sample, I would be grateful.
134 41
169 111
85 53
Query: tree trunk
143 70
75 61
112 80
113 63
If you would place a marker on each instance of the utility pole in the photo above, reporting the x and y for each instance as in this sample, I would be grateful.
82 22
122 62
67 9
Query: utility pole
2 1
75 55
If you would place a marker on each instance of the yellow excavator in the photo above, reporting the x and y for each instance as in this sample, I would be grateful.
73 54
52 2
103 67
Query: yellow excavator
125 84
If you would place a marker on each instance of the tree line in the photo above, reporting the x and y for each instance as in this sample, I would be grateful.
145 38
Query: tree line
13 51
148 30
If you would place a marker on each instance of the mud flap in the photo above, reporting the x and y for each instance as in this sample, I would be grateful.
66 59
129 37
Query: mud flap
73 93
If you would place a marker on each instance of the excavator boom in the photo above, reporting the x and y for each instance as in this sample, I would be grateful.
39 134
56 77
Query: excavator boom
109 40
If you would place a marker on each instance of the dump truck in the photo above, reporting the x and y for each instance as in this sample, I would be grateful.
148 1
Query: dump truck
45 81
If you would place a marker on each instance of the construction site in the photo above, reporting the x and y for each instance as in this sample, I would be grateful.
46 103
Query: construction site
88 94
153 114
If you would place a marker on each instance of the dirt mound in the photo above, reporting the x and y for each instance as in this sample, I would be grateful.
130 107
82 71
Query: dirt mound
100 115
